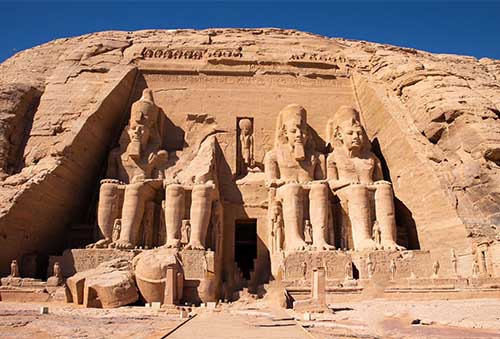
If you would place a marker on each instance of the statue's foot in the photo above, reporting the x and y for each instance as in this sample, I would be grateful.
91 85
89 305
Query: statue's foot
194 246
172 244
391 246
103 243
123 245
298 246
367 245
323 246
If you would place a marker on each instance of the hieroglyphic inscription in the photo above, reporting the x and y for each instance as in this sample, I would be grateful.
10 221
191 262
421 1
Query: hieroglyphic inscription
78 260
318 57
190 53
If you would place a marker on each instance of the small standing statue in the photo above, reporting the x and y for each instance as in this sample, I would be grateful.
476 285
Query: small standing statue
304 269
475 269
186 231
370 267
277 227
282 267
246 142
308 232
205 266
454 261
57 270
56 278
435 269
376 233
14 269
348 270
392 269
117 227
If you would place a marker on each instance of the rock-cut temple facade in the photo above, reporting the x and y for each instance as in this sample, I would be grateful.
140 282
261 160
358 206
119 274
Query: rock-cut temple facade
182 166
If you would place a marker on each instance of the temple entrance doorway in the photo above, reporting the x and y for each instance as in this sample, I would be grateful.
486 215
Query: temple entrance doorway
245 245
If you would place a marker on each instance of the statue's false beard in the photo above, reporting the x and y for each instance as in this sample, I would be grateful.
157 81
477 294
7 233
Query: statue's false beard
299 151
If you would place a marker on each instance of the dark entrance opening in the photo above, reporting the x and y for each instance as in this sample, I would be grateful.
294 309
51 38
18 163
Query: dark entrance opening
245 245
355 272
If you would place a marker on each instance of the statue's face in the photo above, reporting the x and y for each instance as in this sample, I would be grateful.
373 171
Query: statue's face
352 135
294 132
246 127
246 130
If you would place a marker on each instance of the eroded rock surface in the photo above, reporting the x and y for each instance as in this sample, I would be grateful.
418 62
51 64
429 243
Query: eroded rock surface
109 285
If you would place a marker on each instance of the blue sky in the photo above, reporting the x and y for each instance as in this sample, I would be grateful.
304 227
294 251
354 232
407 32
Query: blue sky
459 27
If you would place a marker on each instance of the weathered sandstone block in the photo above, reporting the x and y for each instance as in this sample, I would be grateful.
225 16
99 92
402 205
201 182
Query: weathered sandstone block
111 284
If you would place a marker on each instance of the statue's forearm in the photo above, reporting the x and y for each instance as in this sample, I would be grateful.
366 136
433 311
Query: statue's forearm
338 184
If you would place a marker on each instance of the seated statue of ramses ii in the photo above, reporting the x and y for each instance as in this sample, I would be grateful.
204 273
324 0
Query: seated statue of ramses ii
355 175
134 175
293 168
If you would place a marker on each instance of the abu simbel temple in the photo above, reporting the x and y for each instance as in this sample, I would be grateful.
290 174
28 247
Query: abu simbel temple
180 167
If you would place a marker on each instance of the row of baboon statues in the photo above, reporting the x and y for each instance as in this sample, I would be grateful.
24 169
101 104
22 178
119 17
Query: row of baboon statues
293 169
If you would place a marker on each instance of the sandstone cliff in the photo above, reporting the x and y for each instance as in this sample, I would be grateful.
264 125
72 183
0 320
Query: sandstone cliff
434 120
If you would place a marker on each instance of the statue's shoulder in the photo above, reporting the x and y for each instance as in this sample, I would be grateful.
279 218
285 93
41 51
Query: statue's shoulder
334 156
270 155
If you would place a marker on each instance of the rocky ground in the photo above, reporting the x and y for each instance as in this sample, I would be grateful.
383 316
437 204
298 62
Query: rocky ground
478 318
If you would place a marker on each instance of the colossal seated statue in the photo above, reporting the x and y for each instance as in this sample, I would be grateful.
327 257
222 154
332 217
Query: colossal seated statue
355 175
134 172
292 168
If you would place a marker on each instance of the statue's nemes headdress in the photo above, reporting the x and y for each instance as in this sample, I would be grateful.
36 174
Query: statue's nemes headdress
292 112
343 114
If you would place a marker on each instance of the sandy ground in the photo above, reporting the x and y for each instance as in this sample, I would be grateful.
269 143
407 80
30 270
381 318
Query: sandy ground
382 319
23 320
479 318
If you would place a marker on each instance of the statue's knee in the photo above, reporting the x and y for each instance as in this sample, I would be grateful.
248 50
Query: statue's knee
134 190
201 192
174 190
358 189
109 187
319 191
291 188
108 191
319 187
384 189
